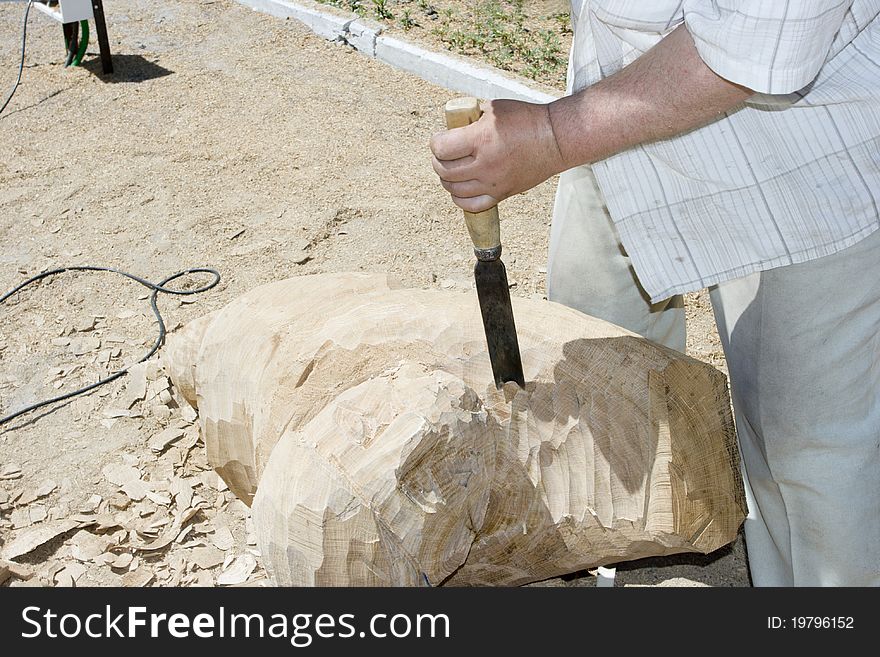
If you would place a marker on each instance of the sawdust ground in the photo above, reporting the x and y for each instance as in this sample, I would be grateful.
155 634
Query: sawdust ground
228 139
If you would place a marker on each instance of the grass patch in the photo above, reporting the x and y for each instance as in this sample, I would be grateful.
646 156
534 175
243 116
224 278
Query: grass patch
505 33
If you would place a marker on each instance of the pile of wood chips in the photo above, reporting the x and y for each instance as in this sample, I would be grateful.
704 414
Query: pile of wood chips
169 520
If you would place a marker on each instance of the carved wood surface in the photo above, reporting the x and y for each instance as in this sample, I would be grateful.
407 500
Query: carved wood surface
361 421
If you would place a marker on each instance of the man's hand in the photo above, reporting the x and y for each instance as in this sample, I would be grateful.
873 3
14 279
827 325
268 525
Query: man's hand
515 145
508 151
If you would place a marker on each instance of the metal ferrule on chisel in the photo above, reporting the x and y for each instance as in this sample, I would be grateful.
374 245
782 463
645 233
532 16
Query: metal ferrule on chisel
488 255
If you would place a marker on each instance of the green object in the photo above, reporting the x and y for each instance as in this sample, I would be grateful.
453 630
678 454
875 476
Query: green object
83 43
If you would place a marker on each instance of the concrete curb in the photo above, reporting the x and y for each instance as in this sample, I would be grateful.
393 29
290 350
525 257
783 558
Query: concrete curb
364 35
323 23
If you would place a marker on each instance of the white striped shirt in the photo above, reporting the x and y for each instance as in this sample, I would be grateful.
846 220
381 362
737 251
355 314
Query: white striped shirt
791 176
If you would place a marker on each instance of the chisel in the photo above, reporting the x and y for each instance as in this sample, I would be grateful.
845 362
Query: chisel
489 273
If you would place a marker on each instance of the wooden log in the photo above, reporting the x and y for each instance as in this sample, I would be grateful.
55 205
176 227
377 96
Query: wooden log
361 421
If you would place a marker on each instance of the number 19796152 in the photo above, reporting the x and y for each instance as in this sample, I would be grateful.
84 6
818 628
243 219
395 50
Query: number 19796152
811 623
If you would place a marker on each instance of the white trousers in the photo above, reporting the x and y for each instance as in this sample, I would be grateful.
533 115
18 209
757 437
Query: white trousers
803 349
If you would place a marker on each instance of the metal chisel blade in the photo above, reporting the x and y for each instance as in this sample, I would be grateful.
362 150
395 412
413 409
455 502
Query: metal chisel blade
494 295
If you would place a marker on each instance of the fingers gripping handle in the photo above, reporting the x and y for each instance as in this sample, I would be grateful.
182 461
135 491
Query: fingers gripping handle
484 227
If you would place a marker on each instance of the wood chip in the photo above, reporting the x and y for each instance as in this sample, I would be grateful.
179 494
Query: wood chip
84 325
154 369
182 492
84 520
203 527
149 532
5 572
183 534
178 562
207 557
135 489
190 439
163 439
46 488
38 513
204 579
174 456
259 582
119 412
298 252
86 546
208 479
69 575
20 518
59 512
119 501
160 412
159 384
75 570
82 346
11 569
222 539
91 505
238 571
162 500
144 509
31 539
121 561
119 474
63 579
48 573
188 413
137 578
136 387
10 471
163 473
70 370
28 496
168 536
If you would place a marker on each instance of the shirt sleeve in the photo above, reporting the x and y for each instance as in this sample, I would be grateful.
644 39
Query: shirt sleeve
769 46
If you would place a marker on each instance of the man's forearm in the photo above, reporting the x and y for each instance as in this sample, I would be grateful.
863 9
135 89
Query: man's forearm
667 91
516 145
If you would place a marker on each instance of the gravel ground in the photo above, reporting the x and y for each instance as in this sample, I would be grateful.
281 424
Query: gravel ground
228 139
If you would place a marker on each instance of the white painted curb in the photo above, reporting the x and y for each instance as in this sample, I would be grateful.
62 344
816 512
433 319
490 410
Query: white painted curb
453 73
323 23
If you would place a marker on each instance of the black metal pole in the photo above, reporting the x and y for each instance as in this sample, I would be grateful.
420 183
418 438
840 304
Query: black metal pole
103 41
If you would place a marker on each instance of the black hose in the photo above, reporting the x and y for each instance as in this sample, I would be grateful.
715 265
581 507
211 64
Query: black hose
71 40
21 63
156 287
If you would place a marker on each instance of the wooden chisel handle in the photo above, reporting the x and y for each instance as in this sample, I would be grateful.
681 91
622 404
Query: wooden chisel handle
484 227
